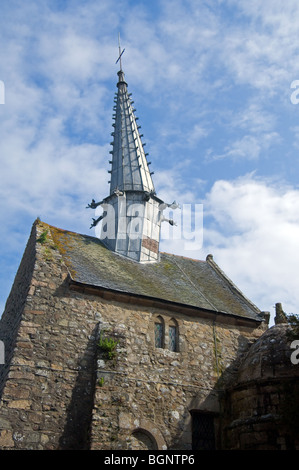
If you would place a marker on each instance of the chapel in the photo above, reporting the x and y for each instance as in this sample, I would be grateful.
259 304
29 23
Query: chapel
112 344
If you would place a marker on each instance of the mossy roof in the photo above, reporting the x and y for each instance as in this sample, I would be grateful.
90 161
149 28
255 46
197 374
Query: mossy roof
176 279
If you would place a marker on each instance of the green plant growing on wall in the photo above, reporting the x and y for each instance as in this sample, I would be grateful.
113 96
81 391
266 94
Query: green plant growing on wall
43 237
108 345
218 358
218 367
101 381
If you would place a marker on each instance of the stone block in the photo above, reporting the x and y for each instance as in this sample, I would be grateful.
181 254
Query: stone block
19 404
6 439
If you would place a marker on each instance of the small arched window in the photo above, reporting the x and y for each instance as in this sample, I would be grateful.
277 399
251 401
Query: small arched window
173 336
159 332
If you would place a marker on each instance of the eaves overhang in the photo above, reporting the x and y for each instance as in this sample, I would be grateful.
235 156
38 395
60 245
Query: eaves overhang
155 302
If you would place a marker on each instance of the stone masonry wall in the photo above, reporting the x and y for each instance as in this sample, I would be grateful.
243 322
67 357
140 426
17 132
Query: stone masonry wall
257 416
147 391
10 320
64 392
47 398
262 408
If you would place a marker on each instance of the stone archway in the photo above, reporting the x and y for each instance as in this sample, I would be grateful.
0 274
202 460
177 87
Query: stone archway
143 434
142 440
146 436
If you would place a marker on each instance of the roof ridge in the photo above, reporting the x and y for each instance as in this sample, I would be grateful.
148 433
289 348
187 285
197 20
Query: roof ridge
65 230
96 238
183 257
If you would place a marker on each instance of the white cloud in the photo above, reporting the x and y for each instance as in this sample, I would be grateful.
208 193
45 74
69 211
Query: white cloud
255 118
251 227
254 238
249 147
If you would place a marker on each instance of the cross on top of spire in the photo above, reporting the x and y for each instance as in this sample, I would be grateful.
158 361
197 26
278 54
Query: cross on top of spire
120 53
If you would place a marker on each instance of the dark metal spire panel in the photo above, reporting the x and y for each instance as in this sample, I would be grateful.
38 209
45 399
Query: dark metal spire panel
129 170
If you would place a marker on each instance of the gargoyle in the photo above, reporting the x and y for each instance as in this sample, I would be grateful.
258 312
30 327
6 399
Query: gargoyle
96 221
148 195
170 221
163 206
173 205
118 193
93 204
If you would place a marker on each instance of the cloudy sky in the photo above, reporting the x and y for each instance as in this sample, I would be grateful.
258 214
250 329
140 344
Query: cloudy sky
214 84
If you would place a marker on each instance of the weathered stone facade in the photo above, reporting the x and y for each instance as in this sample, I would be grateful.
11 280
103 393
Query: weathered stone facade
53 348
156 384
61 390
262 406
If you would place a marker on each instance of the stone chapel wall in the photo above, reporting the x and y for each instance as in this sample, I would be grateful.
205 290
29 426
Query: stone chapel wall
151 391
64 392
10 320
47 397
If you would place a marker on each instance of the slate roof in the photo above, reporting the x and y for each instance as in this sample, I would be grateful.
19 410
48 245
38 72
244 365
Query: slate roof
176 279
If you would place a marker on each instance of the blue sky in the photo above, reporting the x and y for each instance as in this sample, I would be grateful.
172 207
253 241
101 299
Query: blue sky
211 82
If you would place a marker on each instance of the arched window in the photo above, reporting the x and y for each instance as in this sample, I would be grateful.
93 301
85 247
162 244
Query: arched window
173 336
159 332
